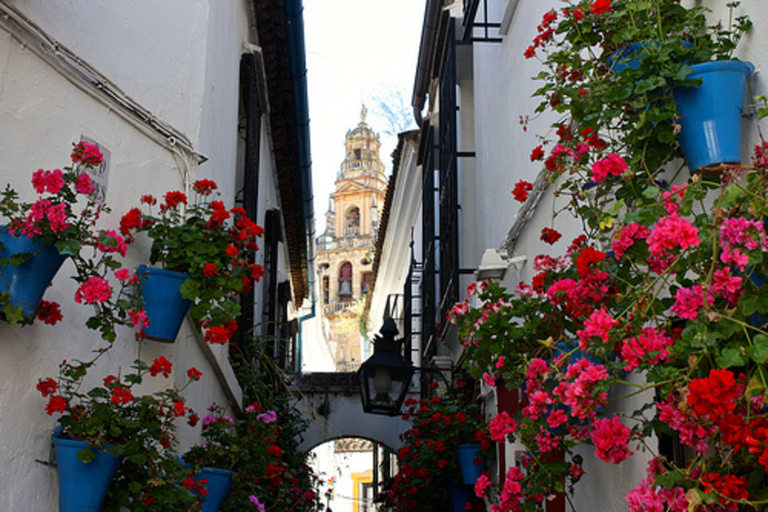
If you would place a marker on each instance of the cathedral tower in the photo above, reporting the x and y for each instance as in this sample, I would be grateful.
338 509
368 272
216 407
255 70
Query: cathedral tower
344 251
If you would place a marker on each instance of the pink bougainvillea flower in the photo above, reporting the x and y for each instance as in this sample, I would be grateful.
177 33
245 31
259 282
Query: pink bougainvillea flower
95 289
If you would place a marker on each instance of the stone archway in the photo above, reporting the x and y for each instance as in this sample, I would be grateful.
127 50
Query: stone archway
331 404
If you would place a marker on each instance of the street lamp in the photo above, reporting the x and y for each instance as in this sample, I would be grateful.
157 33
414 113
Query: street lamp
385 376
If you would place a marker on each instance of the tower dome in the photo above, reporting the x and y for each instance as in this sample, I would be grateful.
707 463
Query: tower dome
362 151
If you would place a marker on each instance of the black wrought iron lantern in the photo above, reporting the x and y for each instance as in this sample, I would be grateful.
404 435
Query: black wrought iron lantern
385 376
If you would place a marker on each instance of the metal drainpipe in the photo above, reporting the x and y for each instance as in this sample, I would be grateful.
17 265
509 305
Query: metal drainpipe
296 49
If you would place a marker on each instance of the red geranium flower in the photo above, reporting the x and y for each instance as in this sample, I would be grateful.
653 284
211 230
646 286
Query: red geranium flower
205 187
194 374
56 404
600 6
174 199
47 387
49 312
161 365
550 236
209 269
521 190
121 395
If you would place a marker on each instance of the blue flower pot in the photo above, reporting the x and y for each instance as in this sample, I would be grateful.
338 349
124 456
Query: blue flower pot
82 487
163 302
27 283
710 115
465 456
459 496
218 485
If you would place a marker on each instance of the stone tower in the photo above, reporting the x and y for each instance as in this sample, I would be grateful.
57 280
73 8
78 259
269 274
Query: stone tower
344 251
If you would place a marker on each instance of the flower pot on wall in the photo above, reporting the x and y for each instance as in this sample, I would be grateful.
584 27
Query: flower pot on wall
219 482
163 302
82 486
710 115
459 496
27 283
466 454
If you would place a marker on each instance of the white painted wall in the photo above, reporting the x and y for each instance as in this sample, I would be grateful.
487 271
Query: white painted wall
178 59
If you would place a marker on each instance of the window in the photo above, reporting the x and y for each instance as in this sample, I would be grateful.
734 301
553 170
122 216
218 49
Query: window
345 282
366 282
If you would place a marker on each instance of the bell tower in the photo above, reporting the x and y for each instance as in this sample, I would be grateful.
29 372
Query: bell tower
344 251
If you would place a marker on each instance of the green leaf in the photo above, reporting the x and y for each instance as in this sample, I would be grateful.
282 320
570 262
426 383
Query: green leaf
758 352
13 314
730 356
651 192
732 197
69 246
86 455
669 479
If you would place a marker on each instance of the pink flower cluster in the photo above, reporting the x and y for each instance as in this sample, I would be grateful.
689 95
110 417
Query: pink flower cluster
95 289
649 498
610 437
39 211
501 426
738 235
693 431
672 233
511 492
625 237
598 325
577 390
48 181
611 165
649 341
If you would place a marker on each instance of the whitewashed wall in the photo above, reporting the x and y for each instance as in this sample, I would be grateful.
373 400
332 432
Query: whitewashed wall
178 59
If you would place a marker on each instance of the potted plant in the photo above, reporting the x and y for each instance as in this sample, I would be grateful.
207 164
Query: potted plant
133 435
623 73
658 288
60 224
428 460
206 249
259 449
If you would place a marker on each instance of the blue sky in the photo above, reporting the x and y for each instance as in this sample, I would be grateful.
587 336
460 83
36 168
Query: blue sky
356 50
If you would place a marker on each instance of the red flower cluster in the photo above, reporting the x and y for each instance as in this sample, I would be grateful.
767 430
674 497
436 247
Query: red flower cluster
550 236
520 192
161 365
